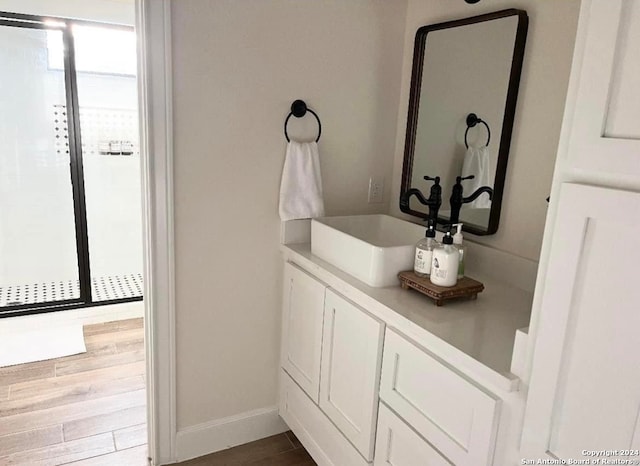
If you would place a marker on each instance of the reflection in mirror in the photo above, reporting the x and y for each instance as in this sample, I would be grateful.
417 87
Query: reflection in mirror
463 95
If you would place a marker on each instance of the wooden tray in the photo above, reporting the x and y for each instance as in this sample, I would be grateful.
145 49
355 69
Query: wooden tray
465 288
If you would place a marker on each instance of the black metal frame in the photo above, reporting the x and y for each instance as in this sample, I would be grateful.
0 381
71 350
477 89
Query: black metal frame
509 111
49 22
76 166
59 306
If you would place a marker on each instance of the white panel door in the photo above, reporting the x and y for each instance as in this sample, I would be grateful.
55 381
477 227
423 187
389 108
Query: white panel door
321 439
351 360
605 131
303 307
585 381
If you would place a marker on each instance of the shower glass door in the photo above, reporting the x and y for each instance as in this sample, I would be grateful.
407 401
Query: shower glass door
70 194
40 190
106 62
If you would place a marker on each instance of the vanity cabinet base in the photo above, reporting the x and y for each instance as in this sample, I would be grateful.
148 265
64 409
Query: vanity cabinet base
324 442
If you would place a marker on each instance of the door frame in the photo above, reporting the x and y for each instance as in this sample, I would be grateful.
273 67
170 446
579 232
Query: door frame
153 25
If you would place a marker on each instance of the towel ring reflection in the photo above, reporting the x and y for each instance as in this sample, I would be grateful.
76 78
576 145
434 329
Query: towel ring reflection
473 120
299 109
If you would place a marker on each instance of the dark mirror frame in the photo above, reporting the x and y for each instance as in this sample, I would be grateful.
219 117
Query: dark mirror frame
507 124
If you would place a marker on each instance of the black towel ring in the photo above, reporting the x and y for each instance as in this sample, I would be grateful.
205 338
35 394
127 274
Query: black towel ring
299 109
472 120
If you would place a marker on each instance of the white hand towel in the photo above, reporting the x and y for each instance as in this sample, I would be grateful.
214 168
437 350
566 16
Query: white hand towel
477 162
301 185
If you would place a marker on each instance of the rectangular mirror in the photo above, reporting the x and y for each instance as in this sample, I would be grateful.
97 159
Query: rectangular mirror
464 87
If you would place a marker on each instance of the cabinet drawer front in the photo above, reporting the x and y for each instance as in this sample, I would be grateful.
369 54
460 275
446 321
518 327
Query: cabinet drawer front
350 374
303 307
454 415
399 445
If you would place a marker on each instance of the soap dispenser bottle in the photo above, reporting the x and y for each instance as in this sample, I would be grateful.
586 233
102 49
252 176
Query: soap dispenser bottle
424 252
444 268
457 242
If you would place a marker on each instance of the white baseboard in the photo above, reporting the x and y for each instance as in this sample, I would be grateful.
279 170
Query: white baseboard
220 434
83 316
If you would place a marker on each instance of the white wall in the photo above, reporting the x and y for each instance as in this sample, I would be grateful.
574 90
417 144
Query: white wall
543 87
237 66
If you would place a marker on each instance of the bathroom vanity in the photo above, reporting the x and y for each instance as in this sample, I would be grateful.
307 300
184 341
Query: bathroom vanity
382 375
371 372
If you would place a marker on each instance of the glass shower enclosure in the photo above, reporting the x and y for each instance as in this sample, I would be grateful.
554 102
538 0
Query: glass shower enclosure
70 197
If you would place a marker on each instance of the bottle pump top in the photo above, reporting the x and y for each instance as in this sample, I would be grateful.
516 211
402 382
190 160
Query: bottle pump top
447 238
431 232
457 238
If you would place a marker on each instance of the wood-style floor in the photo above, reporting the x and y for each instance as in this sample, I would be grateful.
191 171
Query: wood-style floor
89 410
86 409
279 450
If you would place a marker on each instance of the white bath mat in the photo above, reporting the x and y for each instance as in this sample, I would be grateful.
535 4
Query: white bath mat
38 345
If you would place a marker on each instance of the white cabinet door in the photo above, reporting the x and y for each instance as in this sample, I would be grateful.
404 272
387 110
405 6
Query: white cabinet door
585 381
317 433
605 127
303 307
397 444
351 360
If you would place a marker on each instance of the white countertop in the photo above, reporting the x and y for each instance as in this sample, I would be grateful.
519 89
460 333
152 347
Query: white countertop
472 337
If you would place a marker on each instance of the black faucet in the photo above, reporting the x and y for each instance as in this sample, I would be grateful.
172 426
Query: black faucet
457 199
433 203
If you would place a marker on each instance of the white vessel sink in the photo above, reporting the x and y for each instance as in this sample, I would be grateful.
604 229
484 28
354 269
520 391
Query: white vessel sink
372 248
